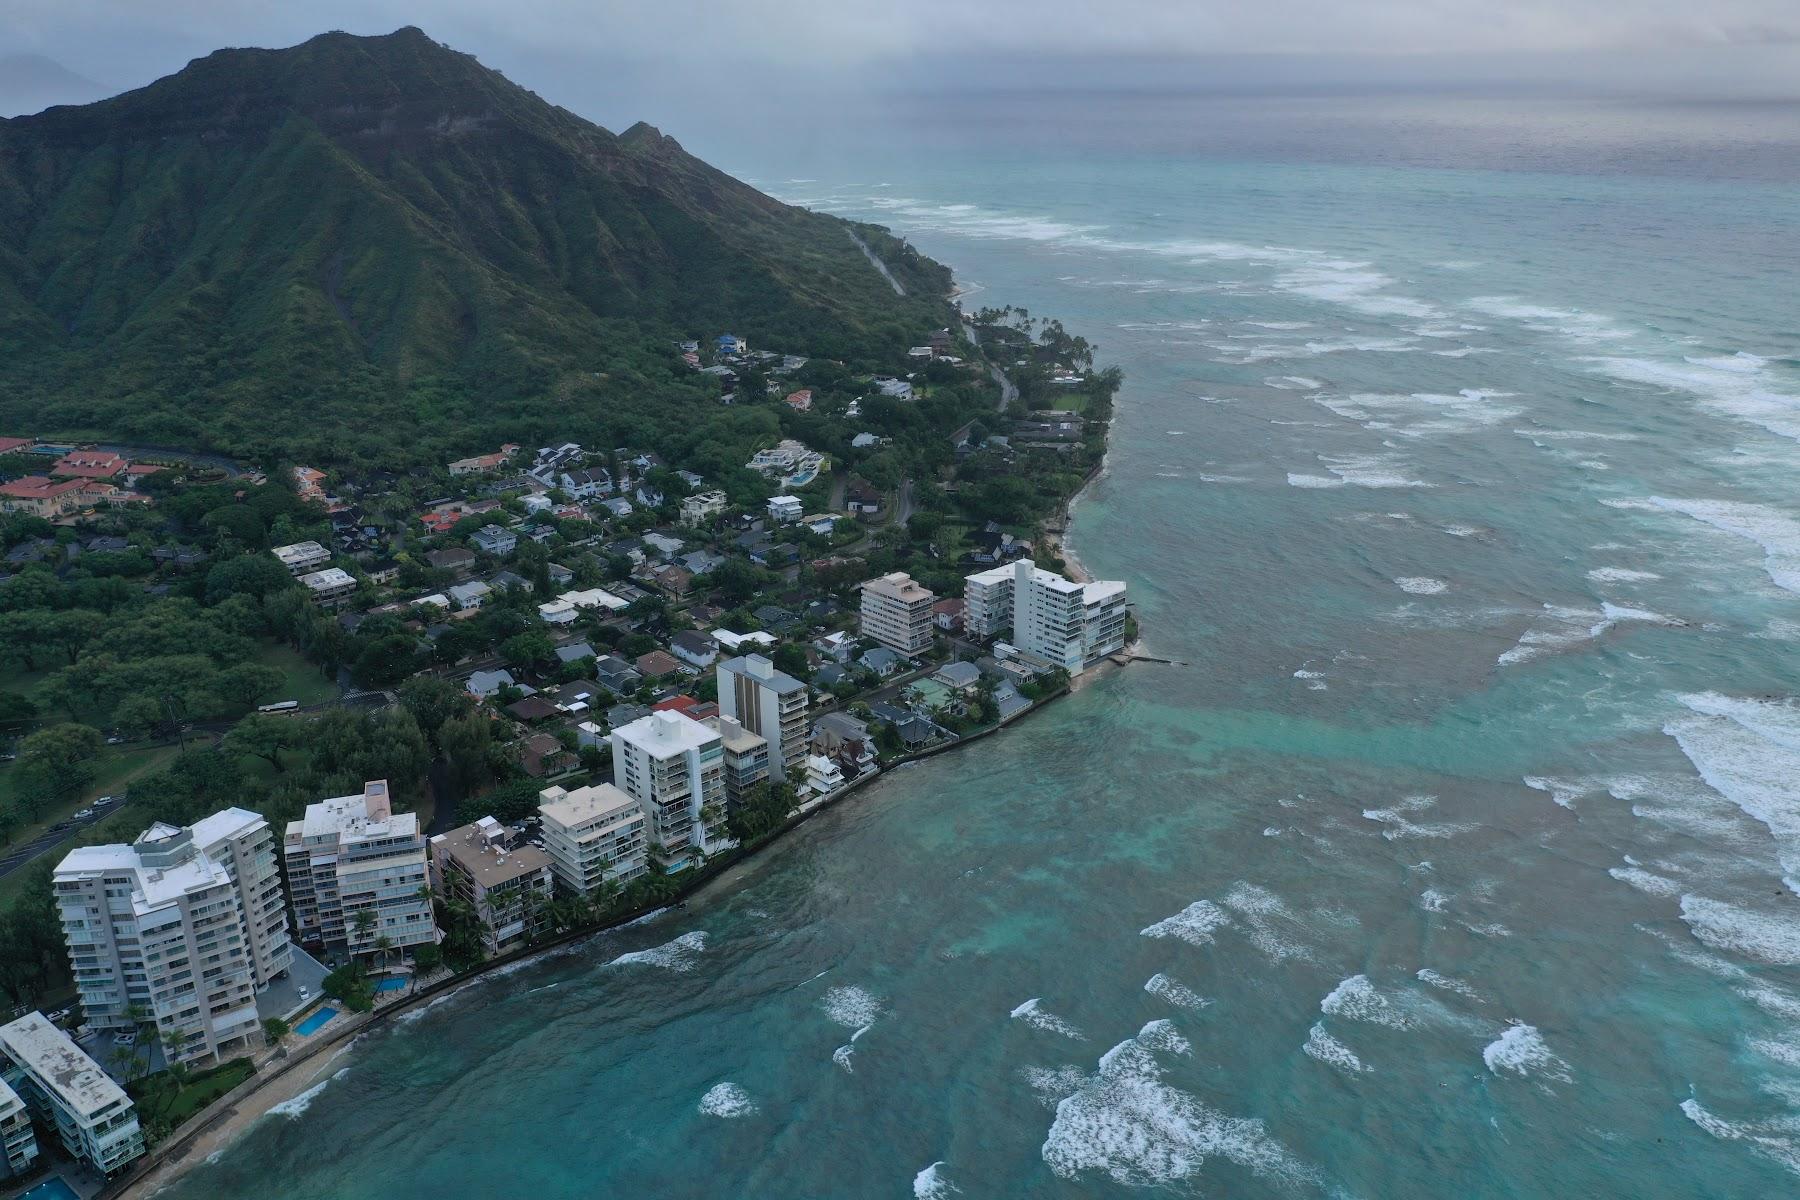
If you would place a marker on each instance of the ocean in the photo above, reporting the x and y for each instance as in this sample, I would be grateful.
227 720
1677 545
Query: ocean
1456 465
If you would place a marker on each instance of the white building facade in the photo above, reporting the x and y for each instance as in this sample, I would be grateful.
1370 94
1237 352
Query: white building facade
93 1117
896 611
769 703
181 928
594 835
354 854
1056 622
674 767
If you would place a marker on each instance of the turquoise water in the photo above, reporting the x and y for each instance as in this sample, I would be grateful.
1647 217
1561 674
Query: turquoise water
392 983
51 1189
315 1022
1456 462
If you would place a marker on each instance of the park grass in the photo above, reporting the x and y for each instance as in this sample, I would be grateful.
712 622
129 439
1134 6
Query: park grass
300 679
167 1104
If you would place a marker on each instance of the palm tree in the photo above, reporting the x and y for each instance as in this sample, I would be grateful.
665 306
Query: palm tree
382 946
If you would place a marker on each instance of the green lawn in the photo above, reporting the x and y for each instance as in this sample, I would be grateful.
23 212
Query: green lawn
300 680
1067 401
164 1104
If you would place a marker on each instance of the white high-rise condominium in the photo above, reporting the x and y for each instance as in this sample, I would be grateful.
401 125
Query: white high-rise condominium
674 767
182 927
594 836
352 855
1055 622
770 704
896 611
92 1116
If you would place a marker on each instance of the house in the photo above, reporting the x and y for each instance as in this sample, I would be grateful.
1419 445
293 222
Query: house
624 714
617 675
695 649
675 582
781 555
536 503
701 507
577 697
838 646
693 481
730 343
468 596
863 441
575 652
800 401
958 676
543 757
915 732
382 570
560 575
302 558
829 676
586 483
894 389
509 581
87 464
657 663
666 547
702 562
532 709
40 496
1008 702
947 614
861 499
483 684
842 737
789 462
823 775
785 509
618 506
330 587
484 462
823 524
919 352
435 600
744 642
881 660
940 341
777 619
649 495
491 539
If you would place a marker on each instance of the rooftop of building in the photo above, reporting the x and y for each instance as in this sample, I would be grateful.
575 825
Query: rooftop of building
54 1058
735 737
761 669
362 816
480 849
898 585
599 803
666 733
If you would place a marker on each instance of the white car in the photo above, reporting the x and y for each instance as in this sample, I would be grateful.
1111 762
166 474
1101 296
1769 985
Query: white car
83 814
124 1039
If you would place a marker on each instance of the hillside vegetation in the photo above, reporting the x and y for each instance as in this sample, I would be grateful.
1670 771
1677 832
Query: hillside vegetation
378 250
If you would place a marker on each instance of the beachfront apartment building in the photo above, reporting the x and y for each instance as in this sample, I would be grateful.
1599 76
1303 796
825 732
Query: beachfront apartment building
92 1116
181 928
896 611
351 855
746 758
1056 622
769 703
18 1141
594 836
674 767
505 883
302 558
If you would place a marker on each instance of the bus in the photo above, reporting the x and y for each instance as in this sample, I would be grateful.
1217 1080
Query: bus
280 707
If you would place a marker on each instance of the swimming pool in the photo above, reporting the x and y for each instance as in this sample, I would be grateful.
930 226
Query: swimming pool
50 1189
392 983
313 1023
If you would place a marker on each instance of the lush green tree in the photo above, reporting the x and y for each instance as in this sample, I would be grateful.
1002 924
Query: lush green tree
257 575
57 761
386 661
138 715
432 701
528 649
466 741
265 736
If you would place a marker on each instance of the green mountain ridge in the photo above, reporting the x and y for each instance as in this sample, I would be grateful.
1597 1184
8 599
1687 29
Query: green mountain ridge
376 248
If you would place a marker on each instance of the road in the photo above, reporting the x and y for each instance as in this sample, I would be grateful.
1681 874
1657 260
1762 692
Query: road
21 856
875 260
1008 390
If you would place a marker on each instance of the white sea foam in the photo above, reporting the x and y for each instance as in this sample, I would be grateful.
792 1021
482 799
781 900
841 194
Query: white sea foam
1737 385
930 1184
1422 414
1267 921
1034 1014
1128 1124
1562 792
1749 752
1563 627
1522 1051
726 1100
1771 937
842 1056
1162 1035
1571 323
1421 585
1194 924
1775 531
298 1104
1445 983
682 954
1329 1050
1293 383
1178 994
1399 823
1432 900
1054 1084
1773 1000
1774 1139
851 1006
1357 470
1357 999
1621 575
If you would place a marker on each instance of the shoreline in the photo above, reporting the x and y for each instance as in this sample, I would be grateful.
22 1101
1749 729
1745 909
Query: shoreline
281 1080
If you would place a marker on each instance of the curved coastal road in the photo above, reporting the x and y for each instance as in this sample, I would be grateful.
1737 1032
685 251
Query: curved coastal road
875 260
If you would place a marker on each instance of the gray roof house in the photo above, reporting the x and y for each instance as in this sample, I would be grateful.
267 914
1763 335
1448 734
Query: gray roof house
494 540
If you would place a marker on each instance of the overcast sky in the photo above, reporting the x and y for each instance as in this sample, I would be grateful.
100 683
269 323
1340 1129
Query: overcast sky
558 46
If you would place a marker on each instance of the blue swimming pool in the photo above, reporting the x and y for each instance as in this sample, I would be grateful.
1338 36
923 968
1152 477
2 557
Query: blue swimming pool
50 1189
392 983
313 1023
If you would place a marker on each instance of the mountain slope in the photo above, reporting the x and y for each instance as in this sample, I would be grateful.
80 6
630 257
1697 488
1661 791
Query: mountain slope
376 245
